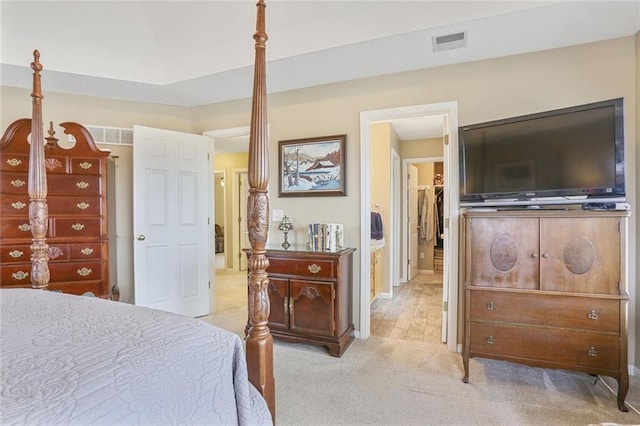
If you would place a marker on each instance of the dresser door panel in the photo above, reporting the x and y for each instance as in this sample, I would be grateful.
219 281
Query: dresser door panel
503 252
580 255
278 299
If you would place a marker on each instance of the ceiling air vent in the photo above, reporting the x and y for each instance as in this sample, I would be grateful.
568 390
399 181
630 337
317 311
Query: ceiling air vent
449 41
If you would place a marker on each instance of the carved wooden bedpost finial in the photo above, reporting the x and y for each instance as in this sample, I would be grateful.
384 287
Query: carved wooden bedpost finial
259 342
37 178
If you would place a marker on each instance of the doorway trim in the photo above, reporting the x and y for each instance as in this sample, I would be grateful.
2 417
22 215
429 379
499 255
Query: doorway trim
451 172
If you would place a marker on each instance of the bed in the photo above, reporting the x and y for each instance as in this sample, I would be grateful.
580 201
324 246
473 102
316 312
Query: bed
70 359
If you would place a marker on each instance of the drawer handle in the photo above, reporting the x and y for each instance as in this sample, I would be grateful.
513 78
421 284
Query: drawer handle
545 255
592 315
491 306
16 254
20 275
491 340
18 205
313 268
84 272
86 251
85 165
18 183
592 352
83 205
14 162
291 306
77 227
82 185
534 255
286 306
24 227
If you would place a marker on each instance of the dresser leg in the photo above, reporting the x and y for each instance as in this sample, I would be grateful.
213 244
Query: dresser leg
623 388
465 363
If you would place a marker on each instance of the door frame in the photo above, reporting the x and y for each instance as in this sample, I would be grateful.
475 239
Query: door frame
451 172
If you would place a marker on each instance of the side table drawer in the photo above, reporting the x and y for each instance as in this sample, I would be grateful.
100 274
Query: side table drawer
304 267
560 346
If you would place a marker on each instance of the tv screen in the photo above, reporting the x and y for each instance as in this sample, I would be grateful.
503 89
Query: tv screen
570 154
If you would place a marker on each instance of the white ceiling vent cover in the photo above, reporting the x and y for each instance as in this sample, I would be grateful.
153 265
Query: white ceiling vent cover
109 135
449 41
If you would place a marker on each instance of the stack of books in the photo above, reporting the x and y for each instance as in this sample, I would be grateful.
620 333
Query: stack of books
326 236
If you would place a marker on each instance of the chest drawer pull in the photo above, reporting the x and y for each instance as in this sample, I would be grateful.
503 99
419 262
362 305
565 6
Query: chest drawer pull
83 205
77 227
16 254
18 183
491 340
24 227
313 268
20 275
592 315
82 185
86 251
84 272
85 165
18 205
14 162
491 306
592 352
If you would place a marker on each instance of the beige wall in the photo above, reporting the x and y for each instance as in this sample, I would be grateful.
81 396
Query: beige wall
484 90
381 135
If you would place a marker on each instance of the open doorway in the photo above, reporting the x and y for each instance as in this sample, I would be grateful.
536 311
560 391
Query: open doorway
450 216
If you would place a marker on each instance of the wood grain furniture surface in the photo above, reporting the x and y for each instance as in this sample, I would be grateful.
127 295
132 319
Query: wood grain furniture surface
311 297
547 289
77 234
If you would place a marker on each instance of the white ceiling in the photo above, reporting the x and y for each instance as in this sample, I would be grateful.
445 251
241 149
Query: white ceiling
191 53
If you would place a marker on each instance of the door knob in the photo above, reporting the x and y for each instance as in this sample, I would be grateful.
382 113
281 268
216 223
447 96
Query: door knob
141 237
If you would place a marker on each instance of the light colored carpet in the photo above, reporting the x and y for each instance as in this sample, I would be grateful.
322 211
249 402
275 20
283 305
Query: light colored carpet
383 381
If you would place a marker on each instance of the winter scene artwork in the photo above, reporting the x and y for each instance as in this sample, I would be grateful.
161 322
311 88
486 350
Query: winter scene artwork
312 167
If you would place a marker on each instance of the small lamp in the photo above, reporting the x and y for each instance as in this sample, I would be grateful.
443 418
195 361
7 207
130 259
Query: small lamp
285 226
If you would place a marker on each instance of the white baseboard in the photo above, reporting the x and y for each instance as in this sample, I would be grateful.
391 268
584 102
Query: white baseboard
425 271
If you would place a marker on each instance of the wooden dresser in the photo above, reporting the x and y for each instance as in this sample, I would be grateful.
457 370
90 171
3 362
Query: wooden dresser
77 227
311 297
547 289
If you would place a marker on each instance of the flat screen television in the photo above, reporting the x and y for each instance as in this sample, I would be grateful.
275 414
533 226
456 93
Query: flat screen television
569 155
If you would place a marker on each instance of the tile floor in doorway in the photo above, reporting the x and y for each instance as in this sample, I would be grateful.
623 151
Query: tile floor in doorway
414 312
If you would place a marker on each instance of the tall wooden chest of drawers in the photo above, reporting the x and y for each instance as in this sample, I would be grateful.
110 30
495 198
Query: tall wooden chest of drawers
547 289
311 297
77 227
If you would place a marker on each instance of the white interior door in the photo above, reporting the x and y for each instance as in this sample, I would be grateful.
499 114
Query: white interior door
412 216
243 230
170 221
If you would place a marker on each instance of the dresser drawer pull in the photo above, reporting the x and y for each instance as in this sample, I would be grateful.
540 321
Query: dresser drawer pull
14 162
546 255
592 315
82 185
86 251
84 272
18 205
20 275
85 165
16 254
18 183
313 268
491 306
592 351
24 227
286 306
491 340
83 205
534 255
77 227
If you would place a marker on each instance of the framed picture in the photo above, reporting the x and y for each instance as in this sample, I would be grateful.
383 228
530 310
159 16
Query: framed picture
312 167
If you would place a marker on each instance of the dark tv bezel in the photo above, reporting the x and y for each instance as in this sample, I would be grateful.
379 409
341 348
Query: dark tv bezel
554 196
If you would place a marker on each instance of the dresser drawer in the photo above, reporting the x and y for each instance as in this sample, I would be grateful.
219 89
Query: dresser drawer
303 267
76 271
584 313
86 251
96 288
76 227
15 205
16 274
14 162
14 183
19 253
559 346
83 205
87 166
16 228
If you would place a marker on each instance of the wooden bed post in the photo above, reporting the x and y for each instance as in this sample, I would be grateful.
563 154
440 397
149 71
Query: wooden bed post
259 342
37 178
